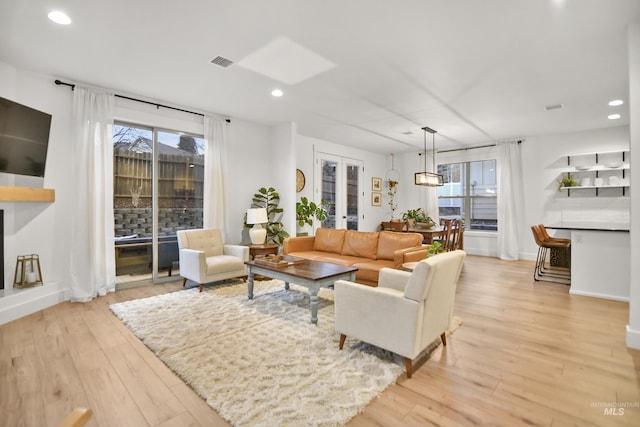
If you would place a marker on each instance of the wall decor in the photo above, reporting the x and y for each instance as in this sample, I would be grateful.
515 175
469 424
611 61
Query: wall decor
376 184
376 198
300 180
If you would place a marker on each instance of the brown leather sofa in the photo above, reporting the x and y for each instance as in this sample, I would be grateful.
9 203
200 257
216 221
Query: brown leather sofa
367 251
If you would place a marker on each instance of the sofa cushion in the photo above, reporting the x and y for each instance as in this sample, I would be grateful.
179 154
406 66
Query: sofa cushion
390 241
329 240
370 270
360 244
312 255
340 259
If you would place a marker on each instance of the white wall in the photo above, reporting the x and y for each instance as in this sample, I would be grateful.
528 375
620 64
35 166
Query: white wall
249 167
283 171
40 228
633 329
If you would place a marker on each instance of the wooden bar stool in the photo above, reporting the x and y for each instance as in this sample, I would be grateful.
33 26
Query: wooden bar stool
558 256
542 271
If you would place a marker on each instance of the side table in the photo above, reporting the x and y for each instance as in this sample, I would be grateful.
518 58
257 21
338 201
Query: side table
260 251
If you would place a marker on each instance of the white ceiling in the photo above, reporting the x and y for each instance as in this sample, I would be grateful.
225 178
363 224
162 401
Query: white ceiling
362 73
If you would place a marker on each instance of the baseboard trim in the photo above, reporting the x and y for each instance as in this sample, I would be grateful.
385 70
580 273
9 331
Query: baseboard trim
29 301
480 252
633 338
597 295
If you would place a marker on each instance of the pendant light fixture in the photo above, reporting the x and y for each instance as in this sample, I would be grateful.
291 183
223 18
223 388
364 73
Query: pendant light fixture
429 179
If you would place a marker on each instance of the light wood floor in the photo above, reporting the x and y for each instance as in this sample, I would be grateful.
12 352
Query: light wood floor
527 354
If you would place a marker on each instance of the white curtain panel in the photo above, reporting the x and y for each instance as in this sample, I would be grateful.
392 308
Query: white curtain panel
214 212
93 270
510 199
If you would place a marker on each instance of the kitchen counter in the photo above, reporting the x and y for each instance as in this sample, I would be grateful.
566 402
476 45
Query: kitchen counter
590 226
600 259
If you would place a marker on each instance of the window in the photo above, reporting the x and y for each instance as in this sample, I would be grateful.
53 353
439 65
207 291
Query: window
470 193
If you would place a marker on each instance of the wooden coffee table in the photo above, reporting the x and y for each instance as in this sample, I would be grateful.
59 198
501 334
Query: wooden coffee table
311 274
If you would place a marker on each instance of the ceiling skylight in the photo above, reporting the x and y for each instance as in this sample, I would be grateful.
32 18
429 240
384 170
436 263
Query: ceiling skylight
59 17
286 61
616 102
613 116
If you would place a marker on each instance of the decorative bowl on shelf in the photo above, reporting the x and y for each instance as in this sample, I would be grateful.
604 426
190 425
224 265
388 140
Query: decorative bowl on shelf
613 165
583 167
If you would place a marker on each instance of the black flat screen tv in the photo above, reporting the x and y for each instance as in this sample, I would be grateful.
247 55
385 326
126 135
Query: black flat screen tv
24 138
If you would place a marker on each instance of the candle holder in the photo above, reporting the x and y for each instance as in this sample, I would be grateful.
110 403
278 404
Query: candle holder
28 271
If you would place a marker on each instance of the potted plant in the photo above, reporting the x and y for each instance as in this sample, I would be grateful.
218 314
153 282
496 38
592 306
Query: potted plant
566 181
435 248
269 199
307 211
417 217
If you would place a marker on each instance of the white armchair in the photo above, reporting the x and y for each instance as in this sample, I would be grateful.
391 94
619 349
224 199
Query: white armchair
406 312
205 258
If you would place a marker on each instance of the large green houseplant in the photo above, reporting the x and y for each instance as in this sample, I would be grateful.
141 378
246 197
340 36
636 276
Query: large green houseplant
307 211
269 199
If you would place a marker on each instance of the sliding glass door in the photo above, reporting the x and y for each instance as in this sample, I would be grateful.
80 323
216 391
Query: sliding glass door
340 181
158 190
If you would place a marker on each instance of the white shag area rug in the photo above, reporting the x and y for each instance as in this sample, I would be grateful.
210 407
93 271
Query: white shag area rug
261 362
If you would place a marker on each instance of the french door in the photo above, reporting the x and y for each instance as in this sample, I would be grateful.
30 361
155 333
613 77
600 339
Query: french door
340 184
158 186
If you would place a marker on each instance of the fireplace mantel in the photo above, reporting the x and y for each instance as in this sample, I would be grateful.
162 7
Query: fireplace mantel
27 194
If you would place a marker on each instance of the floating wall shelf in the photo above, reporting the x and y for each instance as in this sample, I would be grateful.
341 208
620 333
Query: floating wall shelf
592 165
27 194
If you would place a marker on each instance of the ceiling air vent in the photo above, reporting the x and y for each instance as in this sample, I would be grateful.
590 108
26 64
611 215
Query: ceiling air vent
221 61
553 107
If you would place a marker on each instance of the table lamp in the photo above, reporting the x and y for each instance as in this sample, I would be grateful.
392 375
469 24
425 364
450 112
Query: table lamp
257 217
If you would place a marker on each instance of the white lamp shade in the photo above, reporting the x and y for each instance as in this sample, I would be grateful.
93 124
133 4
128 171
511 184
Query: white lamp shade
257 216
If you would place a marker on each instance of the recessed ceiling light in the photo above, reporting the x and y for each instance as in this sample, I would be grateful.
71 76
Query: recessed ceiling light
59 17
613 116
616 102
277 93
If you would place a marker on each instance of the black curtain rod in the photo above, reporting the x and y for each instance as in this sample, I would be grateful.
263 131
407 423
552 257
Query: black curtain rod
72 86
466 148
470 148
